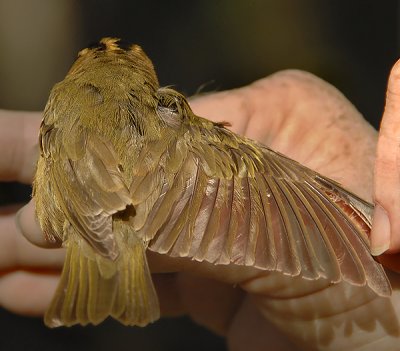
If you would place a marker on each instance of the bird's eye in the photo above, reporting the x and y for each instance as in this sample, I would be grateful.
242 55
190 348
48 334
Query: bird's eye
169 110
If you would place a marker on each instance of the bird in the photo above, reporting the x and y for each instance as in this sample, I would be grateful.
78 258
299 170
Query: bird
126 166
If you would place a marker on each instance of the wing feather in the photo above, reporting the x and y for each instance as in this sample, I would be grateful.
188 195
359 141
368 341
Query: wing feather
219 224
266 254
315 227
163 215
184 242
342 242
88 183
203 230
299 235
282 231
243 203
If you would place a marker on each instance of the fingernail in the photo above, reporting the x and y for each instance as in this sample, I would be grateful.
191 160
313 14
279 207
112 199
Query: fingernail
380 233
18 220
27 225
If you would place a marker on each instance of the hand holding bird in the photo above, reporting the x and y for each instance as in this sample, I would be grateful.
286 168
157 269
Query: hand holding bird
303 94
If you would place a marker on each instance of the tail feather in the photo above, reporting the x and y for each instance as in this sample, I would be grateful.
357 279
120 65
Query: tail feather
137 302
89 291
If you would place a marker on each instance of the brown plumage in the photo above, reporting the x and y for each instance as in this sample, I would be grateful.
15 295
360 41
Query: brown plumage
126 166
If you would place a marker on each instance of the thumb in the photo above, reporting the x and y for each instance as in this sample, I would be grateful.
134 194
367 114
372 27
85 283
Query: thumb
385 234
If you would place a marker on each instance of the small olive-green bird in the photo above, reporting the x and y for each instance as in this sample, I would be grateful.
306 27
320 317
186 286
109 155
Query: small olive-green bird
126 166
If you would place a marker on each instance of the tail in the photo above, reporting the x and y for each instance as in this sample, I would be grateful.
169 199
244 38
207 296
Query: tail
91 289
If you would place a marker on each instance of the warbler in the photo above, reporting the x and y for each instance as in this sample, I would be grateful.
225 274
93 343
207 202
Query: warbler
126 166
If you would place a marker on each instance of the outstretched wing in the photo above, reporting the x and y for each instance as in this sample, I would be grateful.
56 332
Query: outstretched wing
231 200
86 179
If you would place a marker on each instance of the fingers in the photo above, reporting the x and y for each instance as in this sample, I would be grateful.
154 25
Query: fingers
386 220
16 251
18 145
208 302
250 330
28 226
27 293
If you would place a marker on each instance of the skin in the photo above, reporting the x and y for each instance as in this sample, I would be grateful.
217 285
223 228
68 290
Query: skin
292 112
386 222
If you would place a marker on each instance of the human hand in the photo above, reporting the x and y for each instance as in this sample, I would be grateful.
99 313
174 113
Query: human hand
385 235
24 286
296 114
